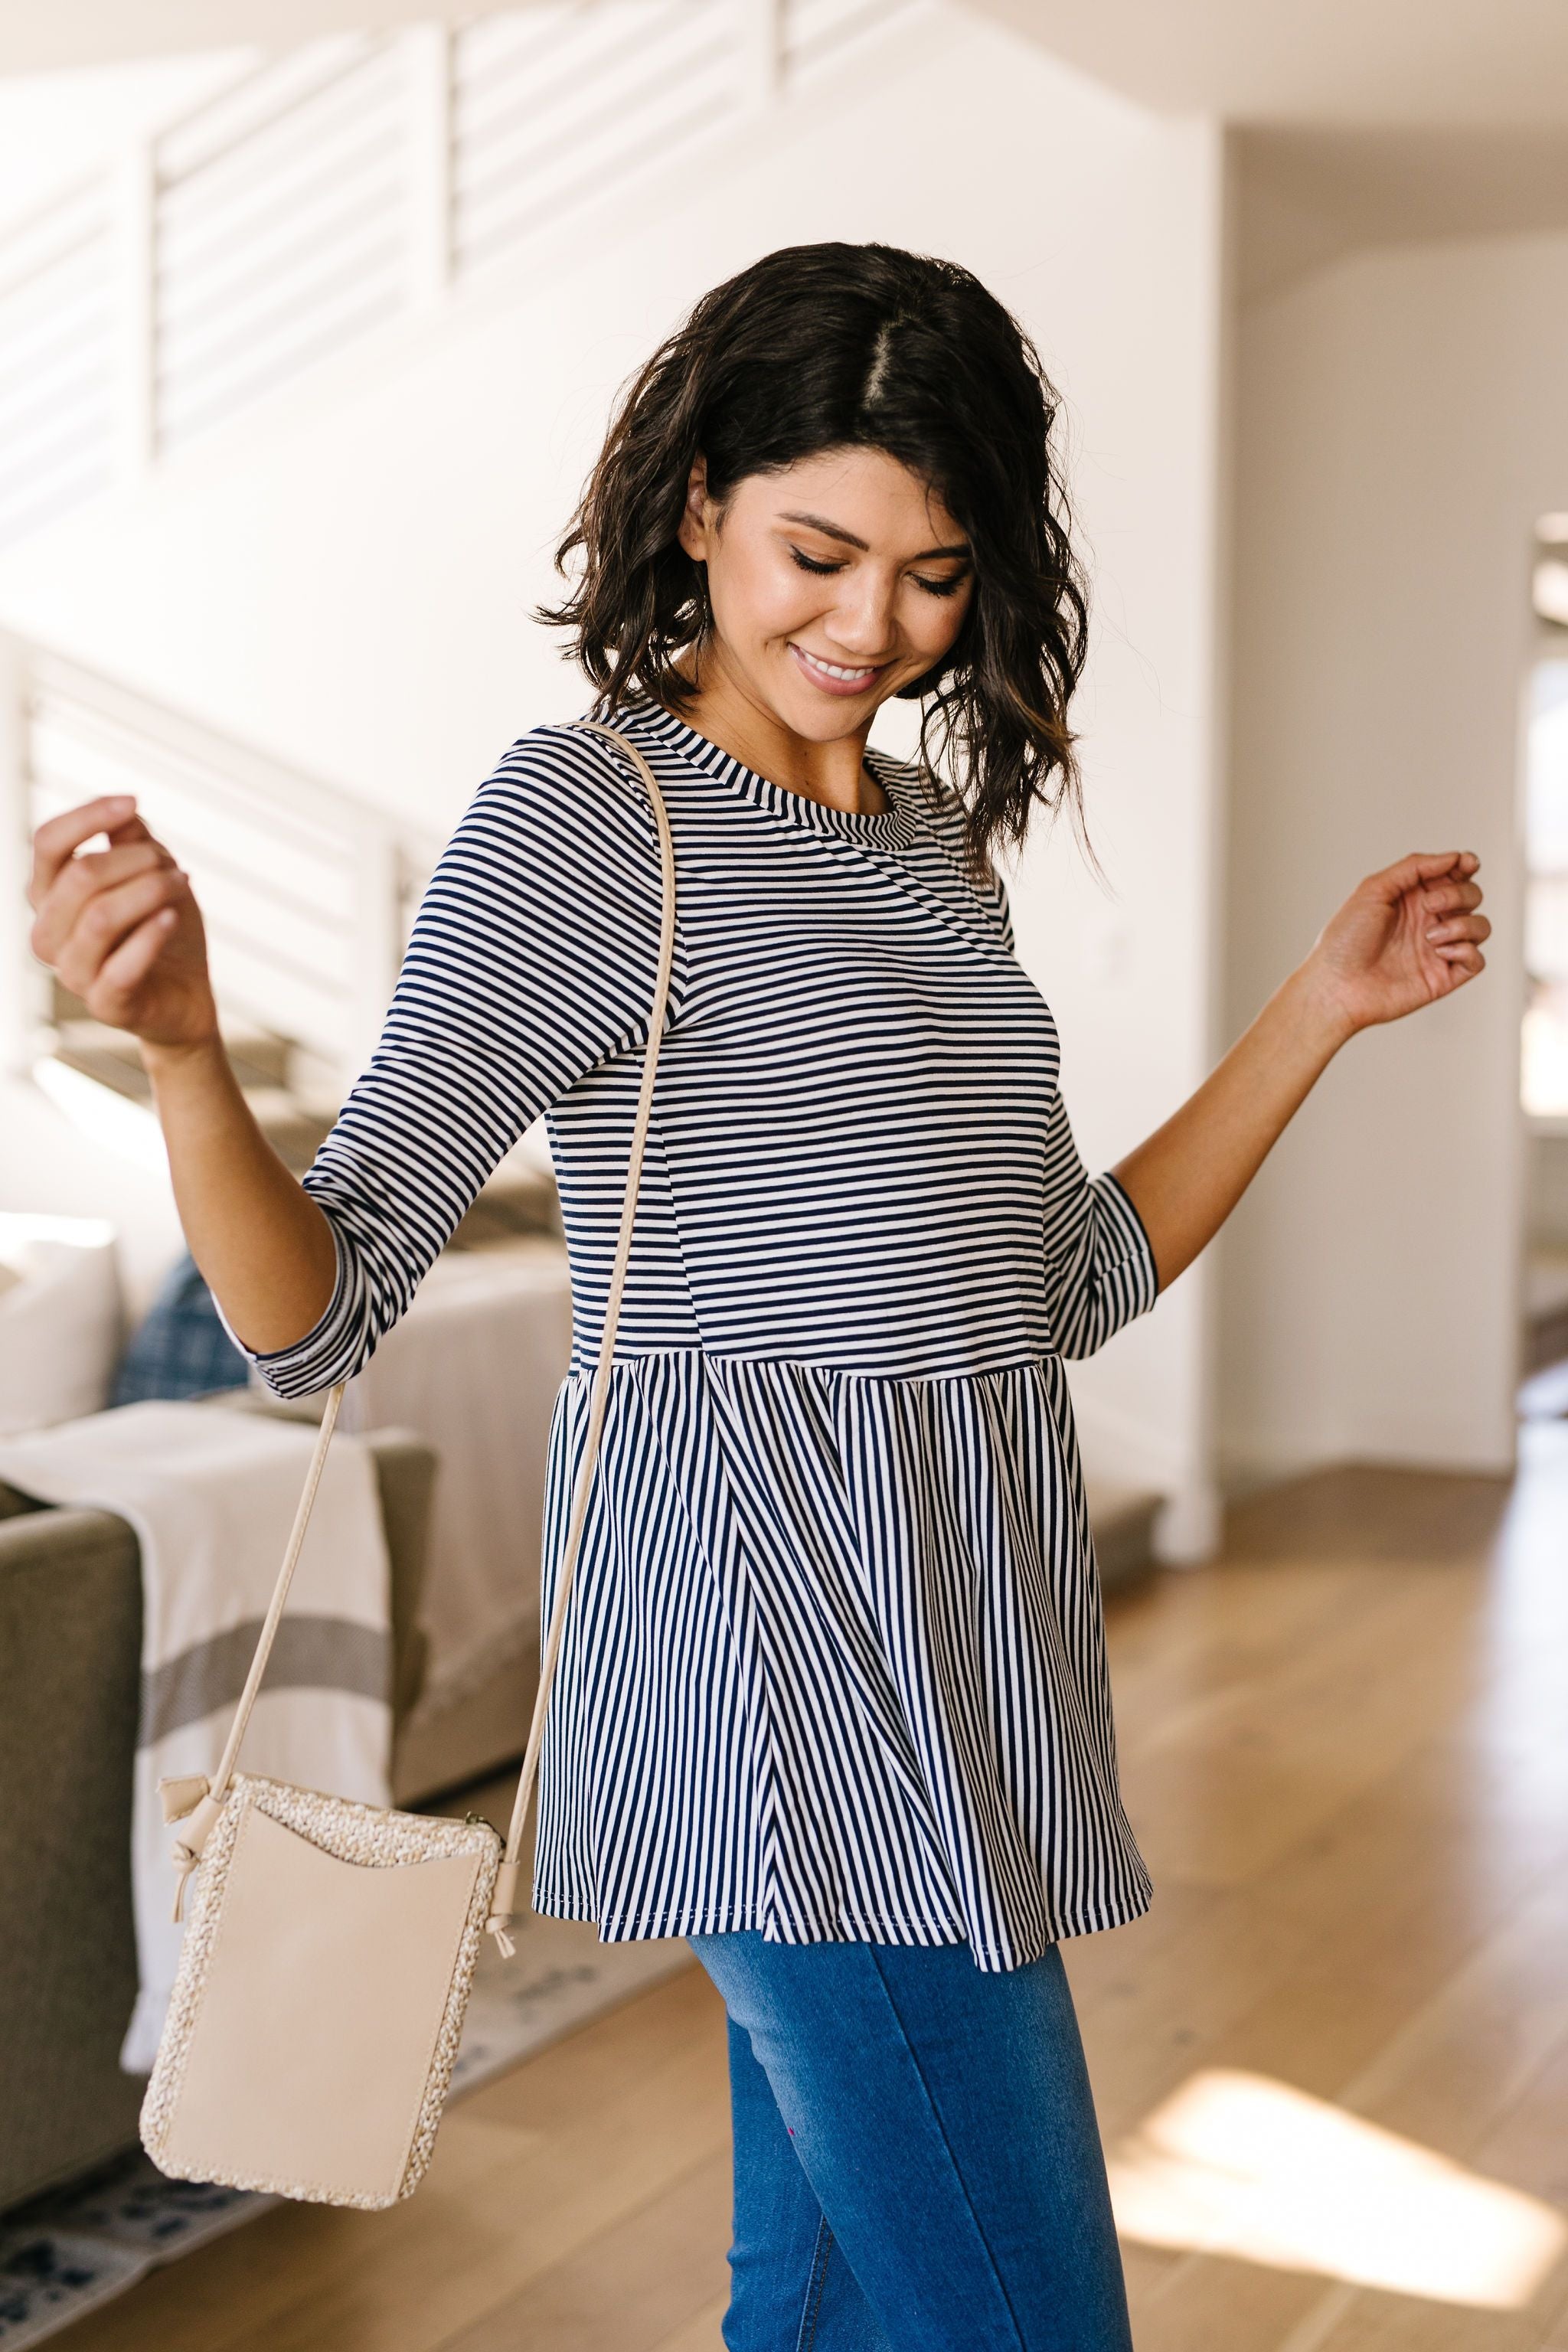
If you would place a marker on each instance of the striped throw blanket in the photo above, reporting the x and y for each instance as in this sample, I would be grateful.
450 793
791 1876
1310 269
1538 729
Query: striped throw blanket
211 1494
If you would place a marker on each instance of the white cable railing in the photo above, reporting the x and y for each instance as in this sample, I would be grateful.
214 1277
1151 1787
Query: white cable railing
281 231
336 188
59 335
307 893
561 102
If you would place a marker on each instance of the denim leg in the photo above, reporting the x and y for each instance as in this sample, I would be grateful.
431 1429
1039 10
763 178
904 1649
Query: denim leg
943 2118
791 2290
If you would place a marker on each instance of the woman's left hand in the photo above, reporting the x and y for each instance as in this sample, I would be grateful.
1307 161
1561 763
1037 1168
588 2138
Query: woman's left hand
1404 938
1407 936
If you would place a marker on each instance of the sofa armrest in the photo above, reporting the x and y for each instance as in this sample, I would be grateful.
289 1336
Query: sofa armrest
70 1650
70 1653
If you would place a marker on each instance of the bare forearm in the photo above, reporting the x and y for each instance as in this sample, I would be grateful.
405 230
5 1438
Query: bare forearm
263 1245
1185 1179
121 928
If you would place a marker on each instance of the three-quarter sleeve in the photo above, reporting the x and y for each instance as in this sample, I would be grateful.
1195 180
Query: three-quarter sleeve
1099 1267
531 960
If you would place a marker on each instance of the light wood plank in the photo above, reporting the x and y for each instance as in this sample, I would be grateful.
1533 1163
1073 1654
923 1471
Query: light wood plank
527 2171
660 2268
1343 1752
702 2334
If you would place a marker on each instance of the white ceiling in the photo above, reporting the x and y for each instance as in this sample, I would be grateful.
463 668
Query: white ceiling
1440 63
1308 195
1361 123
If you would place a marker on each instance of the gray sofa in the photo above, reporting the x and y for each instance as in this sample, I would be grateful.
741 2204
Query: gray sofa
70 1612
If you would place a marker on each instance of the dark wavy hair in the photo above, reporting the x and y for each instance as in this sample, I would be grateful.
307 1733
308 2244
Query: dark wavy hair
821 347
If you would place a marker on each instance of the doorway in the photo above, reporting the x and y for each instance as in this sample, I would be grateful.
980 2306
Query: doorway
1543 1059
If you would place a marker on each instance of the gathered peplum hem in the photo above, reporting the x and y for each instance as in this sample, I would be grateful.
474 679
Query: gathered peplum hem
841 1667
838 1927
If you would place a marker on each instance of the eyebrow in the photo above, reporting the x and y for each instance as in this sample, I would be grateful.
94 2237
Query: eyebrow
836 530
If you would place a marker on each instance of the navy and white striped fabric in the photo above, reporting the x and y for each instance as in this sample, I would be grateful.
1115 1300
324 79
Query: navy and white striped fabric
834 1665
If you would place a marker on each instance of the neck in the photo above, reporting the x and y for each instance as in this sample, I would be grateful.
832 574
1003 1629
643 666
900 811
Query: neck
730 715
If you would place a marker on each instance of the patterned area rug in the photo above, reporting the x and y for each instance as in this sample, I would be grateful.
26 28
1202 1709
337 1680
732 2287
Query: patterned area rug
83 2244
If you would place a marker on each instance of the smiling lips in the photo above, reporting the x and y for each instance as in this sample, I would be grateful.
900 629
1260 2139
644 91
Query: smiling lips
833 677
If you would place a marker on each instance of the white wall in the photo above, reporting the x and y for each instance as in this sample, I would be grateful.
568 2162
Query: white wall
1405 418
57 128
111 1166
347 580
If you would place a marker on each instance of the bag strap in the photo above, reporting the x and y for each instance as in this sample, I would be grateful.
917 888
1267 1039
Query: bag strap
196 1802
503 1903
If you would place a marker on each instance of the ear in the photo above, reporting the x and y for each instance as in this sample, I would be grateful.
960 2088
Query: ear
695 519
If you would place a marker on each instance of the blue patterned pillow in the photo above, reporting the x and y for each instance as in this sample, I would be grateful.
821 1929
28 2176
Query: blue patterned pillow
180 1348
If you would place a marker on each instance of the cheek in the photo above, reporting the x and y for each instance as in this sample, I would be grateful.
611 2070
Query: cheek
758 597
933 622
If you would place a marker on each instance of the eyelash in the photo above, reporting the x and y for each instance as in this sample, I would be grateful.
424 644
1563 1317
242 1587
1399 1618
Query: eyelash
931 587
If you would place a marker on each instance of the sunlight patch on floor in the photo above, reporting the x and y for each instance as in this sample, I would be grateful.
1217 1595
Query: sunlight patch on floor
1237 2164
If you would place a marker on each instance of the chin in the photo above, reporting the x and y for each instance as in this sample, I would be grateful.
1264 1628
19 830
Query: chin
824 725
821 718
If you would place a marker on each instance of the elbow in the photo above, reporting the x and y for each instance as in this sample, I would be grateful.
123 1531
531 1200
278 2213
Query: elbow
290 1381
337 1345
328 1354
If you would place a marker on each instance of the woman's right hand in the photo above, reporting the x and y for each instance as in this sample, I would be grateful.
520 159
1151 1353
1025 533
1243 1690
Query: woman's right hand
120 926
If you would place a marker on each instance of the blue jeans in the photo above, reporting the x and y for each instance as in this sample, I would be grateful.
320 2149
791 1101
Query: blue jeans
917 2163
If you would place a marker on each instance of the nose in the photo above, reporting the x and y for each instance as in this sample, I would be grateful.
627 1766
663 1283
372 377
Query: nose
861 622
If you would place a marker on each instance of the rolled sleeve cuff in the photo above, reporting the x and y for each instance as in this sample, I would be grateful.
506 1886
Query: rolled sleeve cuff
331 1350
1134 1260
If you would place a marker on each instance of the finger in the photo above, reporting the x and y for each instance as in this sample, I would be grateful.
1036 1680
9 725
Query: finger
131 828
82 876
1462 963
137 953
107 917
1459 926
1450 897
60 837
1422 866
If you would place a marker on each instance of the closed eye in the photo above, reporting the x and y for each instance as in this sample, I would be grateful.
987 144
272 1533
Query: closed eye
932 587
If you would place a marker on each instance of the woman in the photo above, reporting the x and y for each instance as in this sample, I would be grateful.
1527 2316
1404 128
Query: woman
832 1700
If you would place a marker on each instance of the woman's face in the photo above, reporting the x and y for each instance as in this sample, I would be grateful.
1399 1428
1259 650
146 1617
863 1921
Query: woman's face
832 584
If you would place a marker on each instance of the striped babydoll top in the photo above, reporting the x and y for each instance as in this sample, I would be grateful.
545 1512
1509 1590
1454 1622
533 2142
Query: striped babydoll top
835 1662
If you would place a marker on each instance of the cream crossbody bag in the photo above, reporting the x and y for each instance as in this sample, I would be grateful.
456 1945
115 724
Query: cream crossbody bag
331 1947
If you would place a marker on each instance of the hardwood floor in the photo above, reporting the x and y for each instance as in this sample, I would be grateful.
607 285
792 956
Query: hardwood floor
1346 1751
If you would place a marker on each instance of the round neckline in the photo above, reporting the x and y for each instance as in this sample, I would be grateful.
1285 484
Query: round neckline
891 826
